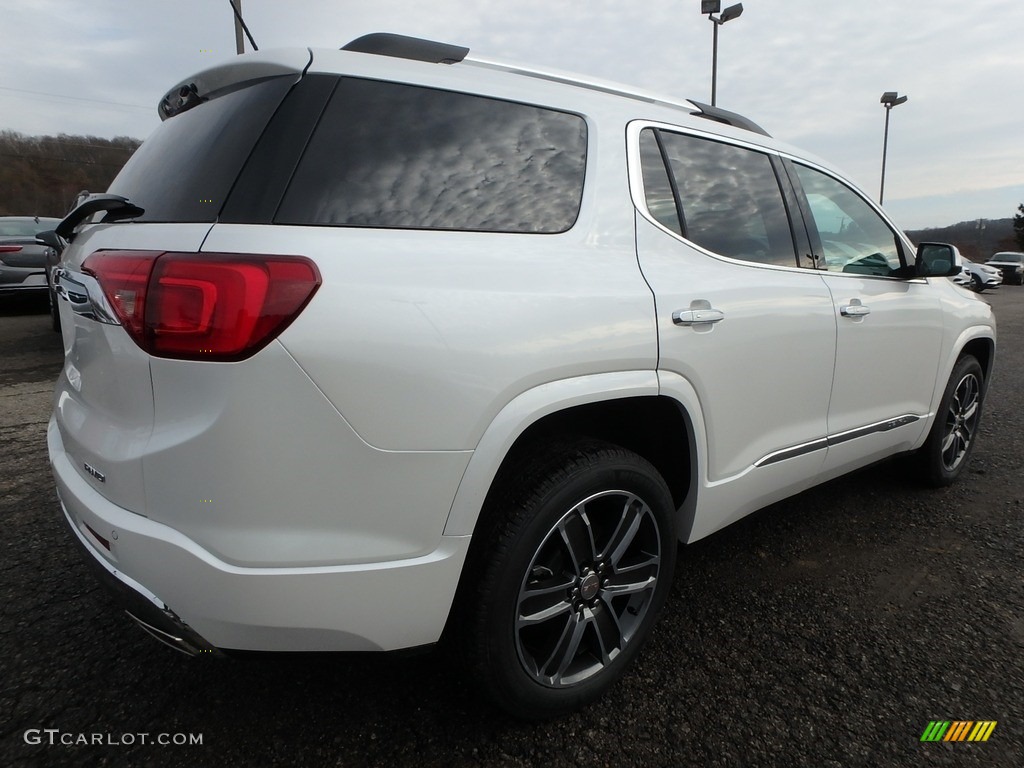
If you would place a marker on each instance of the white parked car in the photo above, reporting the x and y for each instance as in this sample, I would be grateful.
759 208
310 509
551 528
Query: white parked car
377 342
982 276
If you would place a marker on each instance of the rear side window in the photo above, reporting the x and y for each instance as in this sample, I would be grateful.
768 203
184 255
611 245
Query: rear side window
398 156
185 169
729 198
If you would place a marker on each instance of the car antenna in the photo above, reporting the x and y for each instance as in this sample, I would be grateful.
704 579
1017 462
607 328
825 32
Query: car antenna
240 20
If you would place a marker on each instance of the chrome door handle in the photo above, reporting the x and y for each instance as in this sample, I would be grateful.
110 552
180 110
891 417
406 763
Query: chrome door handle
854 310
696 316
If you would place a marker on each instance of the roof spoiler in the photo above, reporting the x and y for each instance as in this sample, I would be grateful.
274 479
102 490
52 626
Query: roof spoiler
727 117
403 47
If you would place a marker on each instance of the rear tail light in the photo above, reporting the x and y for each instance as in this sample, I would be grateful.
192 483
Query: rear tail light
204 306
9 248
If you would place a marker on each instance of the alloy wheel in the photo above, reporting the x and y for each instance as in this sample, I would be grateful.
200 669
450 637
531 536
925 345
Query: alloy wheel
588 588
961 421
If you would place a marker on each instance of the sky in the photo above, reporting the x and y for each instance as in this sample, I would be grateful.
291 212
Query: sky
811 72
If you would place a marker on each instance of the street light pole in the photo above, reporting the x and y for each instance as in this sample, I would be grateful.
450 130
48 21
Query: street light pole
711 7
714 63
889 100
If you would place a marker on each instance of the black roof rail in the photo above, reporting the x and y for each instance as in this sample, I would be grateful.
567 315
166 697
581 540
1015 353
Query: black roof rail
404 47
727 117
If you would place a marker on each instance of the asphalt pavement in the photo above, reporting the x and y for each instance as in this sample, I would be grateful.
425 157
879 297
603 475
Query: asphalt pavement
827 630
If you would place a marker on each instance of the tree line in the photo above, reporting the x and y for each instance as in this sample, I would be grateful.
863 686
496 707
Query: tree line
42 175
977 239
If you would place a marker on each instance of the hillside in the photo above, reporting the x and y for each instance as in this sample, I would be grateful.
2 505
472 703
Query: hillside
41 175
977 239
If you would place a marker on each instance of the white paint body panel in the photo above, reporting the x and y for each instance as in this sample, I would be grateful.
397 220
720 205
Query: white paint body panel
321 495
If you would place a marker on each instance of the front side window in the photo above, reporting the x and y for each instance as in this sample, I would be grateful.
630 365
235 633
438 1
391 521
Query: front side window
729 199
854 238
399 156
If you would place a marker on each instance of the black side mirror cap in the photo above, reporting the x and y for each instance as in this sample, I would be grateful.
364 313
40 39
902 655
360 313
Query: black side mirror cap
52 239
937 260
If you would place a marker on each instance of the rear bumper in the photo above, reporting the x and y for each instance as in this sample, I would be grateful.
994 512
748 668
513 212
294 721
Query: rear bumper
170 583
148 611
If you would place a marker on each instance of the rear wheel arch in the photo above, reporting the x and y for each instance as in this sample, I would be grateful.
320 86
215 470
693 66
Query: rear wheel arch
658 428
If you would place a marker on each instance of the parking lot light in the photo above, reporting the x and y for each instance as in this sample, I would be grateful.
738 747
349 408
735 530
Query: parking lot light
889 100
711 7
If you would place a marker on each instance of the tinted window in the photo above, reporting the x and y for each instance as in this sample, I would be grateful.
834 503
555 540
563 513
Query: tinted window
184 170
389 155
854 238
731 200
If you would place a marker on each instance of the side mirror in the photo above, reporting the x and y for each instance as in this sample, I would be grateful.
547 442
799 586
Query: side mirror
937 260
51 239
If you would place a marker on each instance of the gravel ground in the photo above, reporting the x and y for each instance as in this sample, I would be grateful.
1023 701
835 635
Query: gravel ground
827 630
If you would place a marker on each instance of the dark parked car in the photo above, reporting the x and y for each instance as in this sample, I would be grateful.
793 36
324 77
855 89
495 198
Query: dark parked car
1011 264
24 262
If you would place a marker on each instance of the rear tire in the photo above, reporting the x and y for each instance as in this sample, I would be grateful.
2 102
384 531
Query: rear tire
575 569
951 440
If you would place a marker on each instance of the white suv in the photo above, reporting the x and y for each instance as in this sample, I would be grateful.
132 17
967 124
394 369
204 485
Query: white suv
377 343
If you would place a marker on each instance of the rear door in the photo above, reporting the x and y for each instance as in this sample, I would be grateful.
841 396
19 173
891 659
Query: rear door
738 319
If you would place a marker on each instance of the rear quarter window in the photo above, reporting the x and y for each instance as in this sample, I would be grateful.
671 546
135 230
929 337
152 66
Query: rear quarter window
398 156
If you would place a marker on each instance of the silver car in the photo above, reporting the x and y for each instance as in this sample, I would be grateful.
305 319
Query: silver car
23 260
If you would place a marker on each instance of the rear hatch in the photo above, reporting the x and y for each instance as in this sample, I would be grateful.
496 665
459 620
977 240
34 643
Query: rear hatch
180 177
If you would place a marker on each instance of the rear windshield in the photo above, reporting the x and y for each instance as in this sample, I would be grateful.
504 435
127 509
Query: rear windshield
185 169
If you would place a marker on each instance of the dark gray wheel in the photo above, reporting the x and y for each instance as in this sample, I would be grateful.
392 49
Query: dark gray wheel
572 580
951 440
976 284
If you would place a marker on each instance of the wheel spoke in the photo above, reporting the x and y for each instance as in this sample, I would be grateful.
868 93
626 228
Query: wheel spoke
625 531
578 538
542 613
568 630
631 581
565 651
609 633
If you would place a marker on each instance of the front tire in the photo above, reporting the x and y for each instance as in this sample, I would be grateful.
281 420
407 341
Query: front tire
571 580
951 440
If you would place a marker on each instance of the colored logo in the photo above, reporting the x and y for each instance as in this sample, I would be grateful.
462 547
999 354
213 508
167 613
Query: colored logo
958 730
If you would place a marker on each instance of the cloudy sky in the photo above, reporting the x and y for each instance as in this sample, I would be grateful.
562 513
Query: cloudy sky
810 71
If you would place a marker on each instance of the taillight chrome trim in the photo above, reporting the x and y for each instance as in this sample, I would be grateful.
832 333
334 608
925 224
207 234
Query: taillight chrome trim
84 295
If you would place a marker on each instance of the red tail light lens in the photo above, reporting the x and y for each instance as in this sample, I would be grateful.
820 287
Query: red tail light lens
204 306
9 248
